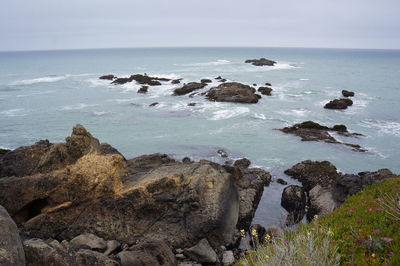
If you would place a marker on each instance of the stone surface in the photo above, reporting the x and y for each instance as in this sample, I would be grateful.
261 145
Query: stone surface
89 241
321 202
228 258
339 104
346 93
206 81
143 89
108 77
281 181
233 92
202 252
11 250
294 201
112 245
265 90
261 62
242 163
189 87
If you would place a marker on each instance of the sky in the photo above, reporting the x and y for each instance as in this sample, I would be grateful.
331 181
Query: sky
84 24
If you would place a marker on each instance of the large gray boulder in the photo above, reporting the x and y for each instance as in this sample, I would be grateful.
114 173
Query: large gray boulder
11 250
233 92
294 201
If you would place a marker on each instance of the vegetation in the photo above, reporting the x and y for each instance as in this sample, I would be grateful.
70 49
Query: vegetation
365 230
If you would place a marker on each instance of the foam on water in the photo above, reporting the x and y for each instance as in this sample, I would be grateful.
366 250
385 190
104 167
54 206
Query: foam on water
40 80
35 93
212 63
14 112
383 126
229 113
78 106
101 113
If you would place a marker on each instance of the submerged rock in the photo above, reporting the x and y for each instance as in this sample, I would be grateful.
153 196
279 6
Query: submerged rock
261 62
11 251
339 104
153 104
206 81
108 77
188 88
311 131
346 93
233 92
265 90
176 81
143 89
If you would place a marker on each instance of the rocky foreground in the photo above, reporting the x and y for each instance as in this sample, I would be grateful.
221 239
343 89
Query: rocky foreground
88 205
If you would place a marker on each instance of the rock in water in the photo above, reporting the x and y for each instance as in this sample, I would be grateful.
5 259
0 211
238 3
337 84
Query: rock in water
108 77
294 201
188 88
206 81
233 92
143 89
261 62
265 90
346 93
11 250
339 104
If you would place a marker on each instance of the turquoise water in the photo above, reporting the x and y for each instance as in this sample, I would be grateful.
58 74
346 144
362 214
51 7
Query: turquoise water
43 94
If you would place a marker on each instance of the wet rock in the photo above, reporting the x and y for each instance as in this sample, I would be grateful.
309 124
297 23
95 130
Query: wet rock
222 153
311 131
281 181
120 81
254 84
242 163
191 104
176 81
144 79
312 173
143 89
206 81
265 90
268 84
222 80
294 201
233 92
153 104
89 241
228 258
261 62
3 151
108 77
219 77
188 88
202 252
346 93
186 160
11 250
339 104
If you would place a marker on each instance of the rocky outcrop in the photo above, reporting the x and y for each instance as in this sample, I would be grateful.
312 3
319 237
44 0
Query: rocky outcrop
202 252
206 81
151 197
311 131
260 62
189 87
346 93
140 79
327 188
108 77
265 90
294 201
176 81
233 92
11 251
143 89
339 104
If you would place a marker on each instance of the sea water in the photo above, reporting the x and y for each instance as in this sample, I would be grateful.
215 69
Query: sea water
43 94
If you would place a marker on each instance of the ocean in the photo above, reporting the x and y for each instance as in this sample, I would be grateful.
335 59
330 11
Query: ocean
44 93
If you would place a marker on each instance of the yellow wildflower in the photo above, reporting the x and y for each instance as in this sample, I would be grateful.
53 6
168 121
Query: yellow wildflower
330 233
242 233
267 237
266 257
254 232
308 233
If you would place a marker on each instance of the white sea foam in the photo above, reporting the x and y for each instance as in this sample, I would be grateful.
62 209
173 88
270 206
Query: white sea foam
304 79
40 80
122 100
259 116
300 112
229 113
78 106
212 63
103 113
383 126
35 93
14 112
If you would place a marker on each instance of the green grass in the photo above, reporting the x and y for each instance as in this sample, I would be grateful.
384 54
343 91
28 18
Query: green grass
365 230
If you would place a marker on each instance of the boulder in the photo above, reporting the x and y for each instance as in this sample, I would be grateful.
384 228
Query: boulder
261 62
268 84
144 79
206 81
108 77
112 245
86 257
120 81
321 202
3 151
312 131
294 201
202 252
312 173
339 104
176 81
346 93
233 92
242 163
281 181
265 90
143 89
191 104
188 88
228 258
153 104
89 241
11 250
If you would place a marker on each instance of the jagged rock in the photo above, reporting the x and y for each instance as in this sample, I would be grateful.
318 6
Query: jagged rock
233 92
11 250
38 252
206 81
219 77
346 93
143 89
311 131
261 62
267 84
191 104
186 160
228 258
242 163
222 153
188 88
294 201
144 79
153 104
176 81
87 257
265 90
339 104
312 173
202 252
222 80
120 81
89 241
108 149
3 151
112 245
349 184
281 181
108 77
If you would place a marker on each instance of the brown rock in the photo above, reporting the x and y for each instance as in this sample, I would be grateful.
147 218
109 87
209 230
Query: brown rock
265 90
339 104
261 62
188 88
233 92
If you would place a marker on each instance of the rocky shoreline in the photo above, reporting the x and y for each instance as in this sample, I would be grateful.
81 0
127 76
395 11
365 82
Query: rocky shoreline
82 203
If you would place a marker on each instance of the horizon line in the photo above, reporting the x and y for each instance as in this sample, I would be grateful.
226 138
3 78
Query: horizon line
196 47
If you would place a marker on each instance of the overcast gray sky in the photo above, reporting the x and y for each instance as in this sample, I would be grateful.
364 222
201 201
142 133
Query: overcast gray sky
74 24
